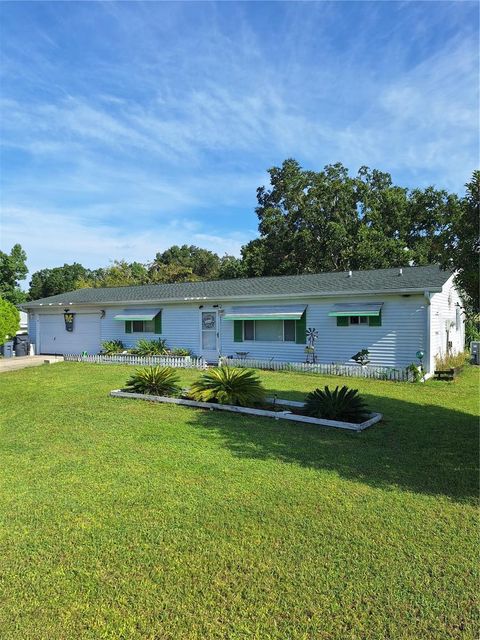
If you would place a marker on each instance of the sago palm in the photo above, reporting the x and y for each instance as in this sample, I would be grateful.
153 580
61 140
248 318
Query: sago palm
146 347
228 385
159 381
340 404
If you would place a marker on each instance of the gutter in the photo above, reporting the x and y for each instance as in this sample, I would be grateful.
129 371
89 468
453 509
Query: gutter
245 297
428 338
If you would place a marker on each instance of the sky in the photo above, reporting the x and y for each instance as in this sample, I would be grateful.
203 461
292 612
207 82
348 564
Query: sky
126 127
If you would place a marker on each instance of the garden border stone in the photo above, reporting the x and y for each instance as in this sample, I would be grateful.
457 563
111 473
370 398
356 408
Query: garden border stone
277 415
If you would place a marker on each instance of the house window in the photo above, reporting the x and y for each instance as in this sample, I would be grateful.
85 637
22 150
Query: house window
143 326
358 320
458 319
269 330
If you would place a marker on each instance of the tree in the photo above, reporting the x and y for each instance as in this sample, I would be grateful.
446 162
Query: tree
204 264
9 320
307 221
49 282
230 267
119 274
462 244
168 273
13 268
329 221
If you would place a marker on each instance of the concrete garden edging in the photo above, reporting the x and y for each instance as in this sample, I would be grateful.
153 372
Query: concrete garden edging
278 415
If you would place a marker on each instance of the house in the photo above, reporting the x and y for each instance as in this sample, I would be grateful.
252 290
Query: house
394 313
23 323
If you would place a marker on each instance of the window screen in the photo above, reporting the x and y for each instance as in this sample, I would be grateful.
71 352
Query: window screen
289 330
143 326
269 330
249 330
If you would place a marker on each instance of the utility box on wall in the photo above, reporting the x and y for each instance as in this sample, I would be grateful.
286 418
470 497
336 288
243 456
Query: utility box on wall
475 352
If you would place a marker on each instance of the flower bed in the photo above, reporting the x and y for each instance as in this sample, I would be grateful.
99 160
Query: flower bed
285 414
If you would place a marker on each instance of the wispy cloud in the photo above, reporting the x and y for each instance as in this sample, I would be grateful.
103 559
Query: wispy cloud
145 124
69 236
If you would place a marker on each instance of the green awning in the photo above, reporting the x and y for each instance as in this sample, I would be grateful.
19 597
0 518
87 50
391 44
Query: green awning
137 314
369 309
285 312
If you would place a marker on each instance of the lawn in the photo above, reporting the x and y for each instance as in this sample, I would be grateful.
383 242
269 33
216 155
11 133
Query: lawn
130 520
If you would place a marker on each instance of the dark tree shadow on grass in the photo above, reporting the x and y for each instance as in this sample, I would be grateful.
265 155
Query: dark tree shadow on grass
422 448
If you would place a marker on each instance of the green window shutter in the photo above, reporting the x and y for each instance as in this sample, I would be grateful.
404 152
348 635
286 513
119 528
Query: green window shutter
375 321
301 329
128 326
158 322
342 321
238 330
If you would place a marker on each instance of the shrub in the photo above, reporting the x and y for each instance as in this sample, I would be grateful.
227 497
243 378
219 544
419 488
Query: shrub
180 351
472 329
146 347
112 346
228 385
340 404
450 361
416 372
9 320
159 381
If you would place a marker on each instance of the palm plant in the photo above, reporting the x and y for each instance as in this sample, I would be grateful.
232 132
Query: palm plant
228 385
159 381
340 404
181 351
110 347
146 347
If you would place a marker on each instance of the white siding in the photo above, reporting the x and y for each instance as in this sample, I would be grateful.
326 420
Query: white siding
54 338
180 327
394 344
32 327
444 315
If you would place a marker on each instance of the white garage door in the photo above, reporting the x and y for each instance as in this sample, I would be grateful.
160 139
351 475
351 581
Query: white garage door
54 338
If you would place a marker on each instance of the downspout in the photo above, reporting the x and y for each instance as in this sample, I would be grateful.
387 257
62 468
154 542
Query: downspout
428 330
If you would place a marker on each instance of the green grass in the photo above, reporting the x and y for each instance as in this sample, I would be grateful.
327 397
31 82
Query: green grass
123 519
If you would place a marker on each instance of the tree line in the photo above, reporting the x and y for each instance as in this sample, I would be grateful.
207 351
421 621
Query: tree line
309 222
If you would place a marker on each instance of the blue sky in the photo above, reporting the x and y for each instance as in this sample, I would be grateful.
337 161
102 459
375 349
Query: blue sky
127 127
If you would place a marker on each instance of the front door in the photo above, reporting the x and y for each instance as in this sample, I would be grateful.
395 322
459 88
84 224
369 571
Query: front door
209 335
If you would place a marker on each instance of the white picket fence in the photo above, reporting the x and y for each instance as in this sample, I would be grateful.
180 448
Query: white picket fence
331 369
182 362
191 362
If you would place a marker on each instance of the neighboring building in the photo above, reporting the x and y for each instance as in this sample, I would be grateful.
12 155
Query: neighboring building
23 322
391 312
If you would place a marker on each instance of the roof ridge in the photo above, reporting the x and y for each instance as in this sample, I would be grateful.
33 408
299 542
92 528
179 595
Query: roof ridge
250 278
333 282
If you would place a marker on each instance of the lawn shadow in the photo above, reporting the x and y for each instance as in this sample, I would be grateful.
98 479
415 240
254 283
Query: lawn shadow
422 448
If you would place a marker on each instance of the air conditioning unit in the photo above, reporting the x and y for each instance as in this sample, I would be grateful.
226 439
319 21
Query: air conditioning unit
475 352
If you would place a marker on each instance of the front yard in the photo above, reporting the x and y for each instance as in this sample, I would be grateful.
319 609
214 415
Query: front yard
131 520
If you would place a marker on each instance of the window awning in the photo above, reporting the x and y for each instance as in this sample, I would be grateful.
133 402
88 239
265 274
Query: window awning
137 314
356 309
287 312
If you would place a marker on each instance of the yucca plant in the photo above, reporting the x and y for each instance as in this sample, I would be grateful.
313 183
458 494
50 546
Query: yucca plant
340 404
158 381
228 385
146 347
110 347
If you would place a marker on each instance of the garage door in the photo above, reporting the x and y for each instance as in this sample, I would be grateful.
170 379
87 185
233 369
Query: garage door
54 338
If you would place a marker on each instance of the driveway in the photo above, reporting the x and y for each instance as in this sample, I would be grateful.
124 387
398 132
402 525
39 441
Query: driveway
11 364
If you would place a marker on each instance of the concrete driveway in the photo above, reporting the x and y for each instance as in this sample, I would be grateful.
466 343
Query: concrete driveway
11 364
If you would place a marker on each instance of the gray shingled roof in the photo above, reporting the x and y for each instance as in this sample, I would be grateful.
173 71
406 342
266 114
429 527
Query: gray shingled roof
375 280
